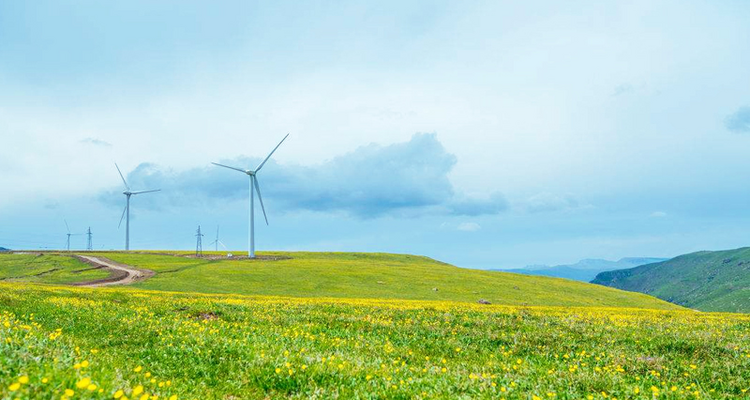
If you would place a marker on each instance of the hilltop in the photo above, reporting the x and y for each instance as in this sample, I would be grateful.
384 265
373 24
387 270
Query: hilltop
584 270
331 275
706 280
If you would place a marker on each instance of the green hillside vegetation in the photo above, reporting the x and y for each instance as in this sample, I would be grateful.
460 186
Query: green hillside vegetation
363 275
123 343
706 280
46 268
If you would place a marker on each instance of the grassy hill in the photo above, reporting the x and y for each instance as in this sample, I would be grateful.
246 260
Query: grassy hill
124 343
346 275
706 280
46 268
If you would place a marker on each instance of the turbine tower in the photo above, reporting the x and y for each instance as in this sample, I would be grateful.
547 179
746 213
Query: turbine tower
254 186
126 211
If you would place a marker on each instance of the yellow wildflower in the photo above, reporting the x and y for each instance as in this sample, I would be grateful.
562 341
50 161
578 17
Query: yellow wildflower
83 383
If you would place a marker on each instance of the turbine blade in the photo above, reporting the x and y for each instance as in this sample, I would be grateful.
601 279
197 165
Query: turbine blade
257 189
66 226
123 216
123 178
146 191
226 166
272 151
222 244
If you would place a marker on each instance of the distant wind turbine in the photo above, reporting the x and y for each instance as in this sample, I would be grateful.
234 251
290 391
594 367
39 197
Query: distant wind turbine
69 235
254 185
217 242
126 211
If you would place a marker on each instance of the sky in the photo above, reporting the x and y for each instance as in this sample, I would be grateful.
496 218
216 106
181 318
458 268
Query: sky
484 134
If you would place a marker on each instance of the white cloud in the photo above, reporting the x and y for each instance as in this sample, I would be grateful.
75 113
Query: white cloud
96 142
405 179
469 226
658 214
739 121
549 202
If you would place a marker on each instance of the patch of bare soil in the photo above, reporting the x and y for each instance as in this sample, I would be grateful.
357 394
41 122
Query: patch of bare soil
119 274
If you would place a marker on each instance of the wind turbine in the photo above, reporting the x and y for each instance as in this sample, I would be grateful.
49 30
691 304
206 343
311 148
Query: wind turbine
126 211
254 184
217 242
67 245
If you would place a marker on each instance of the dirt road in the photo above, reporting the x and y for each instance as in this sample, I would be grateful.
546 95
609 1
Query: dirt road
120 274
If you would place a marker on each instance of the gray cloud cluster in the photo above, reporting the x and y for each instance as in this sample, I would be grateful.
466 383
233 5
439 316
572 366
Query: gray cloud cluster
739 121
409 178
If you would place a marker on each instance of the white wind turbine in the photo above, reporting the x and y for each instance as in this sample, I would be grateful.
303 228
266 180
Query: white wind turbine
217 242
254 186
126 211
67 245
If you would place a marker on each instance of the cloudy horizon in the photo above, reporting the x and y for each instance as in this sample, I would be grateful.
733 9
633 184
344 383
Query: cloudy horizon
486 135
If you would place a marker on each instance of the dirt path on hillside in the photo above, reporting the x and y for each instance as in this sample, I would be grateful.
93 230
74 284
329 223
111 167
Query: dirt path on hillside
119 274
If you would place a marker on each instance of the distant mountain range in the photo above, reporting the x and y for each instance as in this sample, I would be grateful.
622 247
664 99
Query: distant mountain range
584 270
706 280
4 249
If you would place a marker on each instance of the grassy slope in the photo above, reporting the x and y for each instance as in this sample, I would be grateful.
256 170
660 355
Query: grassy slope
707 280
47 268
367 275
96 342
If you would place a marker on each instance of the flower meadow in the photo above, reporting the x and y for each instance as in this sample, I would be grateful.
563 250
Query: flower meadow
76 343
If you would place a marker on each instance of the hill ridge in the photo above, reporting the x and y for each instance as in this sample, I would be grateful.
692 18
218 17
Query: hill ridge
339 275
704 280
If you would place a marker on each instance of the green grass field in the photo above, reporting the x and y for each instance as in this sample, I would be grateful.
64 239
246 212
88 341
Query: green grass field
347 325
46 268
367 275
78 343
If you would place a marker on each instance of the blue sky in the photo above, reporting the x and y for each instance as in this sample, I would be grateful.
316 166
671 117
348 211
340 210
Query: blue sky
486 134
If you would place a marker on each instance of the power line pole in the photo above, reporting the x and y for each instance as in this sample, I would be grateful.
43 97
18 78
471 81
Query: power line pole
199 244
89 245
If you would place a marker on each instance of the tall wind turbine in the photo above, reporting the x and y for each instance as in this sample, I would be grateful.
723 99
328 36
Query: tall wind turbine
254 186
126 211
